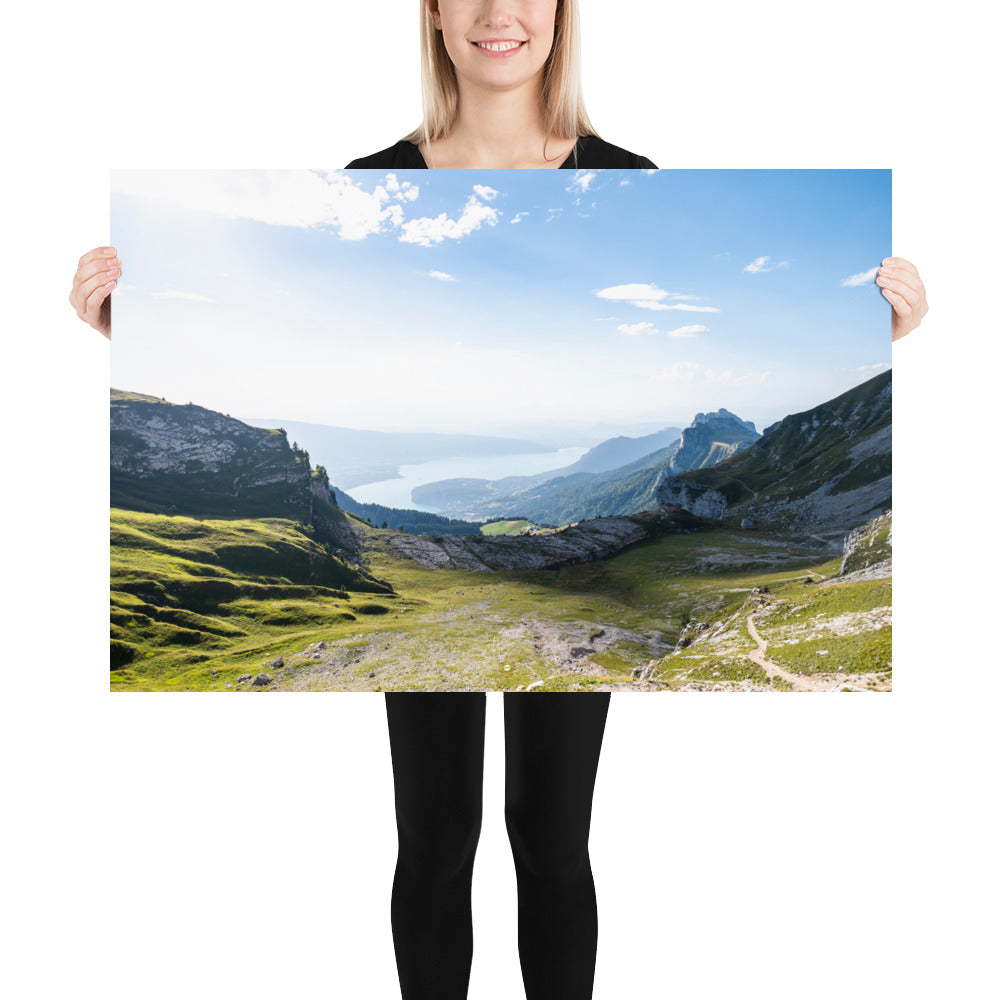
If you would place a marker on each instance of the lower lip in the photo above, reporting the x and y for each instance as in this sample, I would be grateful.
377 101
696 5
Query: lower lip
497 55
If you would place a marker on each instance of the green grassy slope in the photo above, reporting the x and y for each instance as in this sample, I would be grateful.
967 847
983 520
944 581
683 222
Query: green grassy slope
581 627
505 527
186 590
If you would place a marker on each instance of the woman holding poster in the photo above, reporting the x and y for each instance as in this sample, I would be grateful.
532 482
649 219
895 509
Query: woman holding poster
501 90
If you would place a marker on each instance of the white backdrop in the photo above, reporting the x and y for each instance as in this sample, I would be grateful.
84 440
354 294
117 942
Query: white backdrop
163 846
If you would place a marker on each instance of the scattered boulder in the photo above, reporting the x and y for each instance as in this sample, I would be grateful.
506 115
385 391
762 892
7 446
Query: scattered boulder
643 673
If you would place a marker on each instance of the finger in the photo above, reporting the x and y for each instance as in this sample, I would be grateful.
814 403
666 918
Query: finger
902 263
99 265
916 297
95 281
89 264
900 306
909 275
81 298
96 254
904 271
95 266
901 287
92 274
92 306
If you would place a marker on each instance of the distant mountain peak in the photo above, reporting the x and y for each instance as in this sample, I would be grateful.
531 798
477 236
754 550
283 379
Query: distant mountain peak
711 438
723 416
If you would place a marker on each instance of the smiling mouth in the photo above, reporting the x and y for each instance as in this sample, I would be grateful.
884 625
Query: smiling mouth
499 45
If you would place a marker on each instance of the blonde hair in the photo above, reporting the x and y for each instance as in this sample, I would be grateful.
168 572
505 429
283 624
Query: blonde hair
562 93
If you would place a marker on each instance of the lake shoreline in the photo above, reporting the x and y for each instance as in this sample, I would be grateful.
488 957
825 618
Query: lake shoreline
395 491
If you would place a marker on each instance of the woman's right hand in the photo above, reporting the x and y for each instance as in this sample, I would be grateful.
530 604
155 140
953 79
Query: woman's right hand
95 278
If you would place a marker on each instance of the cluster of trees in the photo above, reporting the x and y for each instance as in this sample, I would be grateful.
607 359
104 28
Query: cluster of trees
416 522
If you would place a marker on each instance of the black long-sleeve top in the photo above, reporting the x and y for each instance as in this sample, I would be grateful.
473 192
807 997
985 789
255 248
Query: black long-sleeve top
589 152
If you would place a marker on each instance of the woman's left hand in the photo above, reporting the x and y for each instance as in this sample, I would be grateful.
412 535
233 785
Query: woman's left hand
902 286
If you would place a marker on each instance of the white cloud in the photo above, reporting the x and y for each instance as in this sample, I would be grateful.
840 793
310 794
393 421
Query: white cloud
624 183
401 192
440 275
679 306
634 329
427 232
649 172
863 278
760 265
484 192
580 184
628 293
517 218
393 215
300 198
882 366
581 181
554 214
190 296
646 296
688 372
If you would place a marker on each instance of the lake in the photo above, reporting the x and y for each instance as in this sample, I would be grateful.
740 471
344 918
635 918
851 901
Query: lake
396 492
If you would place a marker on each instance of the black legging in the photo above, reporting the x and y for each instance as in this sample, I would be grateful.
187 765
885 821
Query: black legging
553 742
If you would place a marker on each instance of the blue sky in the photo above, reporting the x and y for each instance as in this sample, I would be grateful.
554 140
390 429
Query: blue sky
499 301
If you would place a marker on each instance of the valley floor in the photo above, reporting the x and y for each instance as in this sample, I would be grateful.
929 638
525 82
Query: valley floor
722 610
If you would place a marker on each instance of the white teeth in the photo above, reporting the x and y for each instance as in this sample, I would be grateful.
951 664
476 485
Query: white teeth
498 46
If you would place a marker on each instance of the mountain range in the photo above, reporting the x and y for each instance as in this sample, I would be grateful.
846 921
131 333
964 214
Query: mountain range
826 469
579 492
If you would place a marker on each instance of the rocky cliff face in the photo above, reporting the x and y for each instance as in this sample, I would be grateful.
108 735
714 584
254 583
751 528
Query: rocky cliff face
826 470
868 550
194 460
583 542
711 438
188 460
151 439
705 501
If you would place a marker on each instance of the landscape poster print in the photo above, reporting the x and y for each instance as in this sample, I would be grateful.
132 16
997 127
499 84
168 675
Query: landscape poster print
554 430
